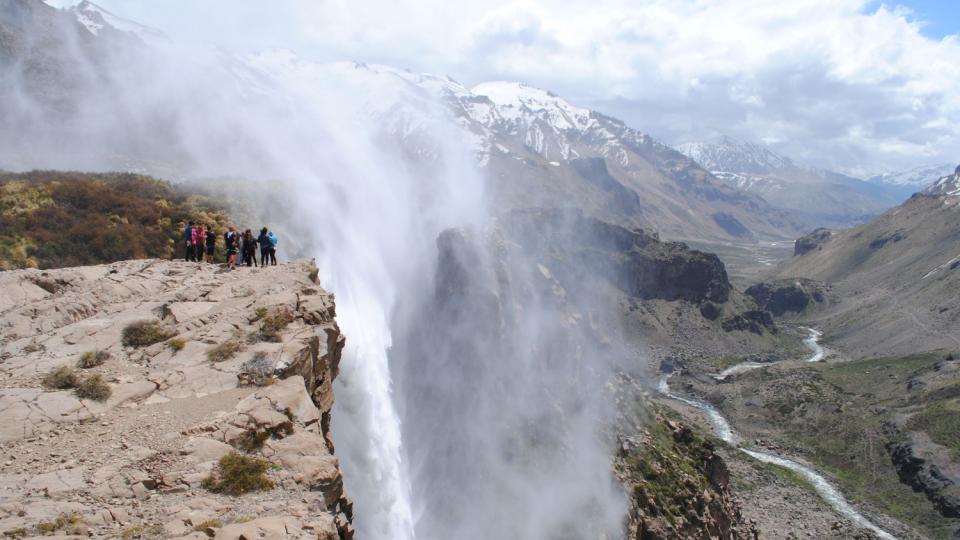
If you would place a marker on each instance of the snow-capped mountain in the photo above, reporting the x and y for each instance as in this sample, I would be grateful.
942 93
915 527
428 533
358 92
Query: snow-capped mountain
818 196
534 147
948 185
915 178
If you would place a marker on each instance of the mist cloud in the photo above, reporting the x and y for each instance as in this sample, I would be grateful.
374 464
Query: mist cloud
834 83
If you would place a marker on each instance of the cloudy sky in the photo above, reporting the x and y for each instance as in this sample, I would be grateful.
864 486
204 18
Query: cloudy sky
856 85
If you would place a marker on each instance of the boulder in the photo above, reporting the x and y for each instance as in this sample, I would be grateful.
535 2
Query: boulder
811 241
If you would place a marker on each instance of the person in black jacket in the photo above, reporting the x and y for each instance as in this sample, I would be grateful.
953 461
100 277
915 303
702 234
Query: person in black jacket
211 244
265 247
249 248
231 239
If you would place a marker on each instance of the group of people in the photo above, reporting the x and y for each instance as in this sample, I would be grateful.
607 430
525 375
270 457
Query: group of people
200 241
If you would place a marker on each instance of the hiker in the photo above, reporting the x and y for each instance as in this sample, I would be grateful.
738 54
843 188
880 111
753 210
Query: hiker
264 241
211 244
200 242
249 248
273 247
231 241
189 239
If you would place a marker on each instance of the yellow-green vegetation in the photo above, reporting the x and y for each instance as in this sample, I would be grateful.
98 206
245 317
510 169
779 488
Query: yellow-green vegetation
272 325
839 414
61 378
53 219
260 313
69 524
236 474
142 530
224 351
94 388
314 275
177 344
214 523
144 333
92 359
941 421
667 471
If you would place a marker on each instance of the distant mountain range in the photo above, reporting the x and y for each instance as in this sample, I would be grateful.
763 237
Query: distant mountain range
819 197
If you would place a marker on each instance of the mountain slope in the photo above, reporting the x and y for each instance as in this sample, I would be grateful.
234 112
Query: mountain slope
534 148
817 197
914 179
897 276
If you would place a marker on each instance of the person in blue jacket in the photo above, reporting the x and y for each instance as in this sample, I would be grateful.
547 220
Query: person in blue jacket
264 241
272 247
190 240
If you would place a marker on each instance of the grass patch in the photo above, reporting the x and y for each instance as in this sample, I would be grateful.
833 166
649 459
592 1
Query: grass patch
93 388
236 474
144 333
177 344
224 351
314 275
61 378
140 531
92 359
214 523
941 421
69 524
260 313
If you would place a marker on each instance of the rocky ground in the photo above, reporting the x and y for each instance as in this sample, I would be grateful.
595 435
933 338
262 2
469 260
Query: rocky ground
242 366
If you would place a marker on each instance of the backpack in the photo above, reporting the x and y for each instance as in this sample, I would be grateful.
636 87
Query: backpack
273 239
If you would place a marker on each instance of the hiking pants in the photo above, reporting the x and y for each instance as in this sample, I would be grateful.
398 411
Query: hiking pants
191 252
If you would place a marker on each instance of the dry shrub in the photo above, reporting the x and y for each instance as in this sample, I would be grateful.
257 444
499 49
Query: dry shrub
93 388
92 359
224 351
61 378
237 474
144 333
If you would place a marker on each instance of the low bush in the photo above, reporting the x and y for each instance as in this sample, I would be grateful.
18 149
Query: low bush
258 371
273 325
236 474
92 359
61 378
214 523
253 440
93 388
225 351
144 333
177 344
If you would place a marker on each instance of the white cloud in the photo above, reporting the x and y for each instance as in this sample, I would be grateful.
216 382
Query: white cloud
834 83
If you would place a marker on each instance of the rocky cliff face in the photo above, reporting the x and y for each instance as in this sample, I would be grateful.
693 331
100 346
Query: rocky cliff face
237 364
680 487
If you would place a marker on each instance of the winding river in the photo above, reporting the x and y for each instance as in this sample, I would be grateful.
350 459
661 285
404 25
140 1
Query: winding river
722 429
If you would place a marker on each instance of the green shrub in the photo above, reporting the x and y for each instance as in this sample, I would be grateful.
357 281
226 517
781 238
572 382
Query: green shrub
273 325
61 378
144 333
225 351
314 275
92 359
260 313
237 474
93 388
177 344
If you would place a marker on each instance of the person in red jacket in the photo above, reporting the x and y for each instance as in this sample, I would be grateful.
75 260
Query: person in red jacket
199 242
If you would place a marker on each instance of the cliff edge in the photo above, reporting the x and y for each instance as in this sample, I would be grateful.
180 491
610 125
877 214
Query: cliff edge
159 399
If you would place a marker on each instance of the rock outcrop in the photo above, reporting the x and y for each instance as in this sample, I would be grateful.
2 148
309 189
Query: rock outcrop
247 372
638 263
680 487
788 295
927 468
812 241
